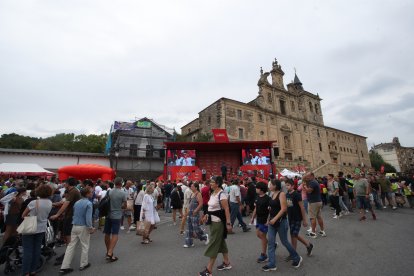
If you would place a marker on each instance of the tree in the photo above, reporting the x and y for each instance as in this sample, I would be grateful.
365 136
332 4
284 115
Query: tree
16 141
377 161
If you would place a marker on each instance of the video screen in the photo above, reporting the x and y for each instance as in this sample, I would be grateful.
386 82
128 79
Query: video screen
256 156
181 157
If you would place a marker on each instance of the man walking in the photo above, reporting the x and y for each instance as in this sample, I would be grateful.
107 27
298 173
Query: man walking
118 199
236 205
313 191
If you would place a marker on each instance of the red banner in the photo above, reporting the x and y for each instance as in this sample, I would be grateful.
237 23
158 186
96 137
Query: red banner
220 135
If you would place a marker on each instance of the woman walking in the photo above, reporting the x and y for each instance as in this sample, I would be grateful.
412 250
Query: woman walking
148 214
32 242
193 222
218 217
138 198
177 198
278 224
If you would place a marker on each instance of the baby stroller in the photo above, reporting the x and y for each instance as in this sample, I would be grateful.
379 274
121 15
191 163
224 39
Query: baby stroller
11 253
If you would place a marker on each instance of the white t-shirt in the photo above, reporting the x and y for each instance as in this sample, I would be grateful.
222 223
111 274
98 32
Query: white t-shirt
139 198
187 197
214 204
234 192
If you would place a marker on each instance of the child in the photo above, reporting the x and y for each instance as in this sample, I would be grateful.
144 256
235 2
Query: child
296 216
261 213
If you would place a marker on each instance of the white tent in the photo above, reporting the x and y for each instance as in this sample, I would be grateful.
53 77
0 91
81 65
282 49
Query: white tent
23 169
289 174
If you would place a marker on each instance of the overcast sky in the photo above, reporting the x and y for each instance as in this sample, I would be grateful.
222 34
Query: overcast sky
77 66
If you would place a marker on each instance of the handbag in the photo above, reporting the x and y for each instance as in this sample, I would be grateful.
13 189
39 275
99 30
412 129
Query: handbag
29 224
130 205
141 228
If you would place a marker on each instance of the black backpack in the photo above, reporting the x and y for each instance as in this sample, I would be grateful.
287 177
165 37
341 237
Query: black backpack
104 206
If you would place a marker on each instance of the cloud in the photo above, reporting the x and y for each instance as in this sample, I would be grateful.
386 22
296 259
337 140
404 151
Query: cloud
78 66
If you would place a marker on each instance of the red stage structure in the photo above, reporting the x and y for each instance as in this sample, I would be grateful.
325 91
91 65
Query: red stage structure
187 159
86 171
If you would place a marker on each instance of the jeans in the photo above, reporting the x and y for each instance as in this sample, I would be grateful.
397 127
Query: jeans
335 204
31 252
167 204
342 203
235 212
377 201
271 242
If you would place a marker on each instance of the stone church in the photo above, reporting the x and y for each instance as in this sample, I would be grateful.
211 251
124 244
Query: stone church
293 118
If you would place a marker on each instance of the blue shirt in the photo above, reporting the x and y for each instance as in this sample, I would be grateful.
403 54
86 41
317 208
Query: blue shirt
82 213
315 195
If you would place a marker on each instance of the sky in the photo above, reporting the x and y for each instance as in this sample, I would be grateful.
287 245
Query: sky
78 66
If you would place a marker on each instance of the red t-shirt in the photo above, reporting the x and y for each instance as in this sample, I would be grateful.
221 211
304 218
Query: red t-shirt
205 194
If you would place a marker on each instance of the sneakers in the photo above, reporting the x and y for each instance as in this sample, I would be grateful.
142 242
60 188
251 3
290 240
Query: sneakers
384 207
311 235
262 258
296 264
122 228
335 217
205 272
207 240
322 233
309 230
309 249
394 208
224 266
246 229
132 227
288 258
188 246
267 268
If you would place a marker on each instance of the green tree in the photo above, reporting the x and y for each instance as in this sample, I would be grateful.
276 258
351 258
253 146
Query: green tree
377 161
16 141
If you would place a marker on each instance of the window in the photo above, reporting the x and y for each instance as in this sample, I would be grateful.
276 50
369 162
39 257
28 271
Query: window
336 148
317 132
340 148
305 128
349 164
241 136
307 141
282 107
323 161
344 164
362 154
292 104
262 132
288 156
239 114
133 150
316 109
209 120
260 117
189 129
329 146
333 134
310 107
320 146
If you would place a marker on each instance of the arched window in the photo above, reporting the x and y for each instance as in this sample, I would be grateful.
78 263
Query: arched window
310 107
316 109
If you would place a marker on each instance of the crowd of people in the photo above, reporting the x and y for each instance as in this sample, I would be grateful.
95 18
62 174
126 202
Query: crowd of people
76 209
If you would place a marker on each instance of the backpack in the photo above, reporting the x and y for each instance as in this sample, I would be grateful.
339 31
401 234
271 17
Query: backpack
104 206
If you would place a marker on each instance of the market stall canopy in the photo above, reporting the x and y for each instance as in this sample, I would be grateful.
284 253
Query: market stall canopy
86 171
28 169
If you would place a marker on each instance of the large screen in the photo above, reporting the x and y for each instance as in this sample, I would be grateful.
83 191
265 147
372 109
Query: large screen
256 156
181 157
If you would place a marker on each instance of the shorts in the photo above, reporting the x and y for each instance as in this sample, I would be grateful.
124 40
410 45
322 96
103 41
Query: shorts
67 227
294 226
351 196
137 212
127 213
112 226
363 203
262 227
315 210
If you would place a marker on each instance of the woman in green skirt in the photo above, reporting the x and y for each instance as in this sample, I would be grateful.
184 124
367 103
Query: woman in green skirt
218 217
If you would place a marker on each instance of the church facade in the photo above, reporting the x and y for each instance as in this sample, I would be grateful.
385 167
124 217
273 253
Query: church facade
293 118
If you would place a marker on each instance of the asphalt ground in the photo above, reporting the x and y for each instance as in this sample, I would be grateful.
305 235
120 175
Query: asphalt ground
381 247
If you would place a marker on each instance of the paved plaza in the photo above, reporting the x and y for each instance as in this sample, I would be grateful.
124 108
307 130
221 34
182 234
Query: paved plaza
382 247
